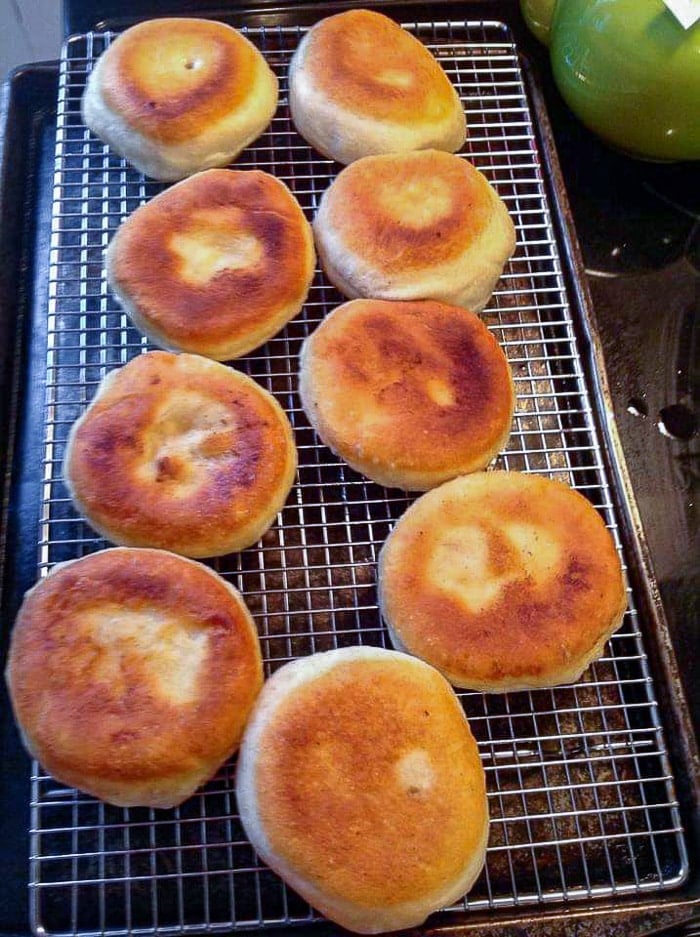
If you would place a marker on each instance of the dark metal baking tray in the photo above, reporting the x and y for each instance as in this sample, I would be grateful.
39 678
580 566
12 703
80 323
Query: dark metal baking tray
26 165
595 908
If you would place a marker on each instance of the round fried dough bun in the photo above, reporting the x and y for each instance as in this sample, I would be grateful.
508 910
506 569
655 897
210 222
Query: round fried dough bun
181 453
215 265
132 674
178 95
359 84
423 225
502 581
360 784
410 394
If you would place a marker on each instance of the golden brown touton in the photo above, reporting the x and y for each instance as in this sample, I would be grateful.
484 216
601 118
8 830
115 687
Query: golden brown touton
132 674
424 225
410 394
503 581
181 453
359 84
215 265
359 782
178 95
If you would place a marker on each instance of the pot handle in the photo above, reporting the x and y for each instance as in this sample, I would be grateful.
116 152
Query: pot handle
538 15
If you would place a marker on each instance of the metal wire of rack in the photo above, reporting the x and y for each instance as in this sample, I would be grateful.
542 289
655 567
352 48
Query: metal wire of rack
581 794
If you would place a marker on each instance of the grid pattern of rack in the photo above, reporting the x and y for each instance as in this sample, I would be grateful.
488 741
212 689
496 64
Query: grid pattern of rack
581 796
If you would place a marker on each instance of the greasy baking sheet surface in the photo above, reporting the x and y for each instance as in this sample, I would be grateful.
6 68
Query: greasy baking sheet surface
581 797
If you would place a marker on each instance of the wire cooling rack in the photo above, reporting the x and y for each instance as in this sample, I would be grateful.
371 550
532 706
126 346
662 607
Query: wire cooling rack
581 796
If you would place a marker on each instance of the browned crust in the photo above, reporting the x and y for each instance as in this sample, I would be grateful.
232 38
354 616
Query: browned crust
243 462
532 630
147 82
124 731
349 57
369 208
418 386
331 803
145 269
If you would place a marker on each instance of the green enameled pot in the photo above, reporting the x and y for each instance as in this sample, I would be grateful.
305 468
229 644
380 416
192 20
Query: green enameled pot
627 69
